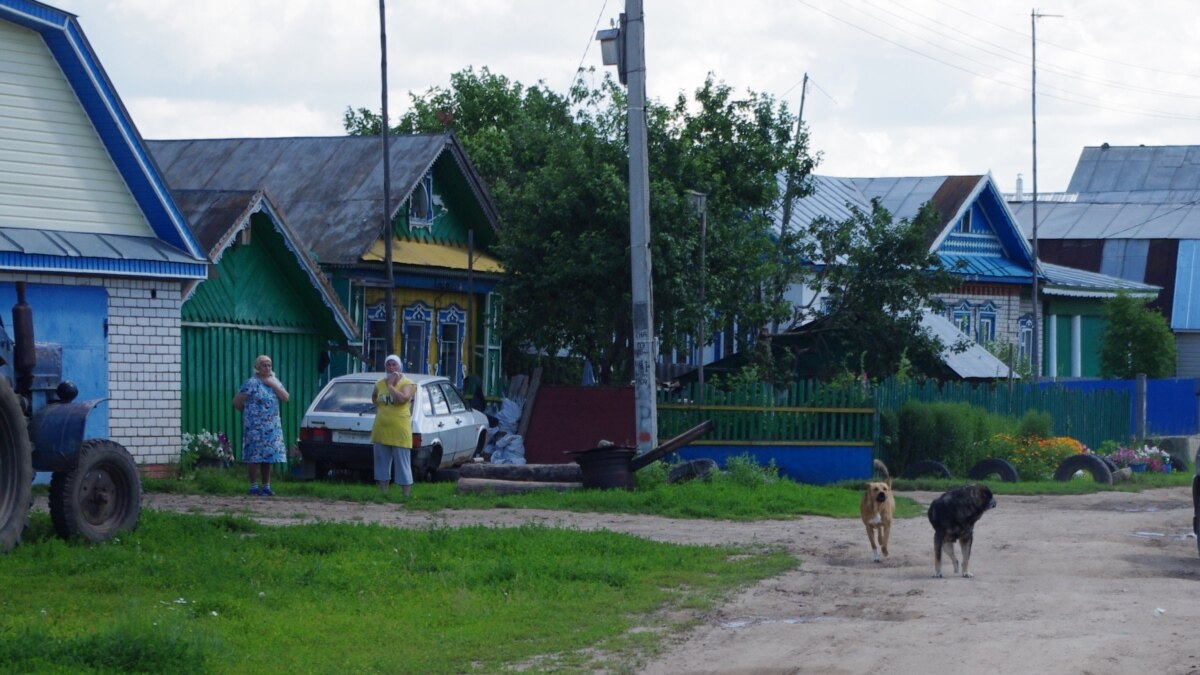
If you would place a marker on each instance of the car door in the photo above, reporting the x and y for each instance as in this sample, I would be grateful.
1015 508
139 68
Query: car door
462 421
438 423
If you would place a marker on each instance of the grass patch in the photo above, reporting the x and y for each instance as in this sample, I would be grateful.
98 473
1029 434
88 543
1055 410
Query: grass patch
186 593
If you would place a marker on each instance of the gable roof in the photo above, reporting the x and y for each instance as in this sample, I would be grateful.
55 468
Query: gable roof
1003 256
330 187
1144 174
218 217
102 253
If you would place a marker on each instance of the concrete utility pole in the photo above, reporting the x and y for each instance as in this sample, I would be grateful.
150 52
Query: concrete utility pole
386 228
625 48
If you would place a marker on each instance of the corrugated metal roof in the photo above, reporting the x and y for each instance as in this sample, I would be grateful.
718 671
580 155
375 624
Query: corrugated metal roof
218 216
330 188
1159 174
974 361
1185 308
1083 220
85 252
1068 281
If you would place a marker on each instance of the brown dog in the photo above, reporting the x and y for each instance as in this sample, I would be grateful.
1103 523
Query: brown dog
876 508
953 516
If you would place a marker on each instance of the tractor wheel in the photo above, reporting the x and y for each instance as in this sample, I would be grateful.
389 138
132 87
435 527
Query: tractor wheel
16 470
101 497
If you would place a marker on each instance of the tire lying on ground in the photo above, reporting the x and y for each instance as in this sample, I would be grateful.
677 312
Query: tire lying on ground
1112 466
1178 462
691 470
994 466
1089 463
926 467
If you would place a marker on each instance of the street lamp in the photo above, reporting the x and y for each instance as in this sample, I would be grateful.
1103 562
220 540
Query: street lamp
698 201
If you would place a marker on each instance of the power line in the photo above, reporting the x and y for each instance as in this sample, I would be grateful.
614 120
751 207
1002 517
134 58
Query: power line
587 46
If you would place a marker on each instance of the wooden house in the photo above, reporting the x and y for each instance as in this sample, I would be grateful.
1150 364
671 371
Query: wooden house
441 223
88 223
978 238
264 295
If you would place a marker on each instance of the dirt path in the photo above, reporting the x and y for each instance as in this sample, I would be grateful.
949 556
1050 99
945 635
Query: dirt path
1103 583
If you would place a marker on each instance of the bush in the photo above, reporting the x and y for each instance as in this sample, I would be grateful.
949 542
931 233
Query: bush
950 433
1036 424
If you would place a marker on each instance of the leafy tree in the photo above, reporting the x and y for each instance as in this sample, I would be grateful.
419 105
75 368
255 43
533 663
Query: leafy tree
1136 339
557 168
874 276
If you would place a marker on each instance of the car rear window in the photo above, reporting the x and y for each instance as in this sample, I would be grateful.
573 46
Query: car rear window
351 397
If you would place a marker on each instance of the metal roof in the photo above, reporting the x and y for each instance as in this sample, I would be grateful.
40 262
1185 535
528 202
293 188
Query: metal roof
1068 281
330 188
974 361
217 217
1159 174
1086 220
30 250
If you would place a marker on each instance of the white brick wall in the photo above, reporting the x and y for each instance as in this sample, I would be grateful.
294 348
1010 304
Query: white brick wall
144 356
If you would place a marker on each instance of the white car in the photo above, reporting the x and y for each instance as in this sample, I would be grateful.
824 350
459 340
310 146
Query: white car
335 432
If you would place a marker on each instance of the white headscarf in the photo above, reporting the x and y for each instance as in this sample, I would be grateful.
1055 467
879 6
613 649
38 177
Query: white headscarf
393 357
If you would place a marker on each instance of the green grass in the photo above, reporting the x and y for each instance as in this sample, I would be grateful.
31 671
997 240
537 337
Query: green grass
197 594
1079 485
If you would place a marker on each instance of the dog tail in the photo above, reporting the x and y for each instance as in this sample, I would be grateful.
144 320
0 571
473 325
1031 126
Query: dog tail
882 468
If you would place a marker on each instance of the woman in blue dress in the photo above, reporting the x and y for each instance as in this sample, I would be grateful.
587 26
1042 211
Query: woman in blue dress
262 436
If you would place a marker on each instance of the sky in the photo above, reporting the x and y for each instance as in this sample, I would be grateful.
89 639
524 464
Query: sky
896 87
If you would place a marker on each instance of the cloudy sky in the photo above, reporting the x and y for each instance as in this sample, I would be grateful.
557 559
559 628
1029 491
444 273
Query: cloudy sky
897 87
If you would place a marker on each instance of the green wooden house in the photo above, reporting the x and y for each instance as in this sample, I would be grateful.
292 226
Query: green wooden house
441 225
264 295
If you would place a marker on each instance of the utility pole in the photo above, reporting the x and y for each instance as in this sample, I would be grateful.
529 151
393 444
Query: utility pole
699 202
625 48
1036 351
386 228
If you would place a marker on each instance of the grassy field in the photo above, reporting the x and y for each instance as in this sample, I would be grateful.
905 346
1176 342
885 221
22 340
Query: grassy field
189 593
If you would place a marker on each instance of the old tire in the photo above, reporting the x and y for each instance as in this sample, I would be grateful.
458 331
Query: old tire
1108 461
691 470
1089 463
926 467
994 466
100 497
16 470
1178 462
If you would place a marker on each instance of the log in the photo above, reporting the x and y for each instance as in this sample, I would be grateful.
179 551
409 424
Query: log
551 473
508 487
670 446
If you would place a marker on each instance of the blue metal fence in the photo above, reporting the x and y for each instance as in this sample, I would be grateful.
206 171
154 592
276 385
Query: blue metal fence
1172 407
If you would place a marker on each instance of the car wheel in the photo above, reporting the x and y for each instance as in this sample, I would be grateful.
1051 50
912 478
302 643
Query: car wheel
926 467
1090 463
994 467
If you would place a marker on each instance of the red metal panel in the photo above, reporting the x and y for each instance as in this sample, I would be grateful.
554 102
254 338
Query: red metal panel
578 418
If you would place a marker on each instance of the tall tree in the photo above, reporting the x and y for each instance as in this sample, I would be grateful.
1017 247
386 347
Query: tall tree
873 277
557 168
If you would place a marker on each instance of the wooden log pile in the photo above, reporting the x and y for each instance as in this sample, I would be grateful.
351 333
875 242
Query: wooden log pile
518 478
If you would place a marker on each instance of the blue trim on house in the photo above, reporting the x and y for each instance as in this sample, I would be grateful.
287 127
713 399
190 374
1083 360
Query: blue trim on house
99 99
102 266
430 283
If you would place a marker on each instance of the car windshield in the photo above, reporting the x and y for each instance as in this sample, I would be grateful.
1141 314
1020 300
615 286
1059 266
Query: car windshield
347 397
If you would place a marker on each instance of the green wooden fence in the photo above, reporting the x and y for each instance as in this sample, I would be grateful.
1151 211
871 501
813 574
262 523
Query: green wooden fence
817 413
805 413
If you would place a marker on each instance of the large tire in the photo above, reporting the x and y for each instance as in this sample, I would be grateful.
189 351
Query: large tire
994 466
1090 463
926 467
16 471
100 497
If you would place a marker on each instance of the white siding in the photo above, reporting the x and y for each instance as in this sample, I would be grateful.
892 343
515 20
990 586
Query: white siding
55 173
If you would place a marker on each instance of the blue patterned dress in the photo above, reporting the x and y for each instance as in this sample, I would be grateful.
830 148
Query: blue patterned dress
262 438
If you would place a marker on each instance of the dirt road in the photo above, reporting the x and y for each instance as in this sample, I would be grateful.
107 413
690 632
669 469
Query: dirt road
1103 583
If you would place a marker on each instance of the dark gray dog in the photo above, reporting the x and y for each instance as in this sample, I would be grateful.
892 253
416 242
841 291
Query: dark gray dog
953 516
